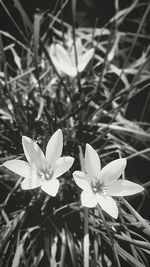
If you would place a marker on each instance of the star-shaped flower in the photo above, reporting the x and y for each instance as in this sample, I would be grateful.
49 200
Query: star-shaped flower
65 62
42 170
99 185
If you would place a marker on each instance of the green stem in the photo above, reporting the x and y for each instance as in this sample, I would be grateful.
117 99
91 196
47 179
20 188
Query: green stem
86 242
86 238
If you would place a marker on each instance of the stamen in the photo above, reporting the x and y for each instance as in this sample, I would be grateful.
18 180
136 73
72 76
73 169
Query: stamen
46 175
42 176
98 187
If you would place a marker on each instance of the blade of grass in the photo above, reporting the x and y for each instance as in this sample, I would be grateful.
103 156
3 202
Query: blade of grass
48 244
37 20
74 3
72 248
132 46
138 243
125 255
17 59
8 35
133 249
63 248
3 59
18 255
54 248
113 245
12 19
137 215
25 18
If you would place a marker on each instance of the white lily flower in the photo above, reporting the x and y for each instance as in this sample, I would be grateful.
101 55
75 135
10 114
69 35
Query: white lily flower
99 185
42 170
65 61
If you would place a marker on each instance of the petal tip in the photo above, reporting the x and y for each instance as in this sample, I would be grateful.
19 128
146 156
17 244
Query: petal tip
25 139
51 188
59 134
6 164
23 185
72 159
115 216
88 146
140 189
59 131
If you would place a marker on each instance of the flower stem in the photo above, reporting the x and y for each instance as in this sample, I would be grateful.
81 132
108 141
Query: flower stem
115 254
86 242
86 238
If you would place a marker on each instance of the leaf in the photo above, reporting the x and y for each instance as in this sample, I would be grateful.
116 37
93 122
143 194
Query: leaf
36 32
13 20
24 15
20 247
125 255
135 242
137 215
18 255
17 59
81 157
41 108
38 258
7 233
8 35
3 59
63 248
72 248
5 115
54 247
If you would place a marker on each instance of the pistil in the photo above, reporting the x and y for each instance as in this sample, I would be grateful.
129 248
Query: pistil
99 187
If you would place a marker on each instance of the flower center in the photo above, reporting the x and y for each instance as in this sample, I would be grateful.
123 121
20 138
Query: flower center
46 175
99 187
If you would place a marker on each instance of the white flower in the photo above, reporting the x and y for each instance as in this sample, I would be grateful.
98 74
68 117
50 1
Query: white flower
100 185
65 61
42 170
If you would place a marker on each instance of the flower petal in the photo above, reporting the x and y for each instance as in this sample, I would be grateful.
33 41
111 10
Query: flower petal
68 69
79 49
33 153
54 147
62 165
22 168
61 60
33 182
19 167
92 162
108 205
124 188
51 187
57 51
82 180
112 171
88 199
55 59
85 59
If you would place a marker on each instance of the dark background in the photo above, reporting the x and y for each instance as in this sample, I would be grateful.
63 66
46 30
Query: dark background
89 12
